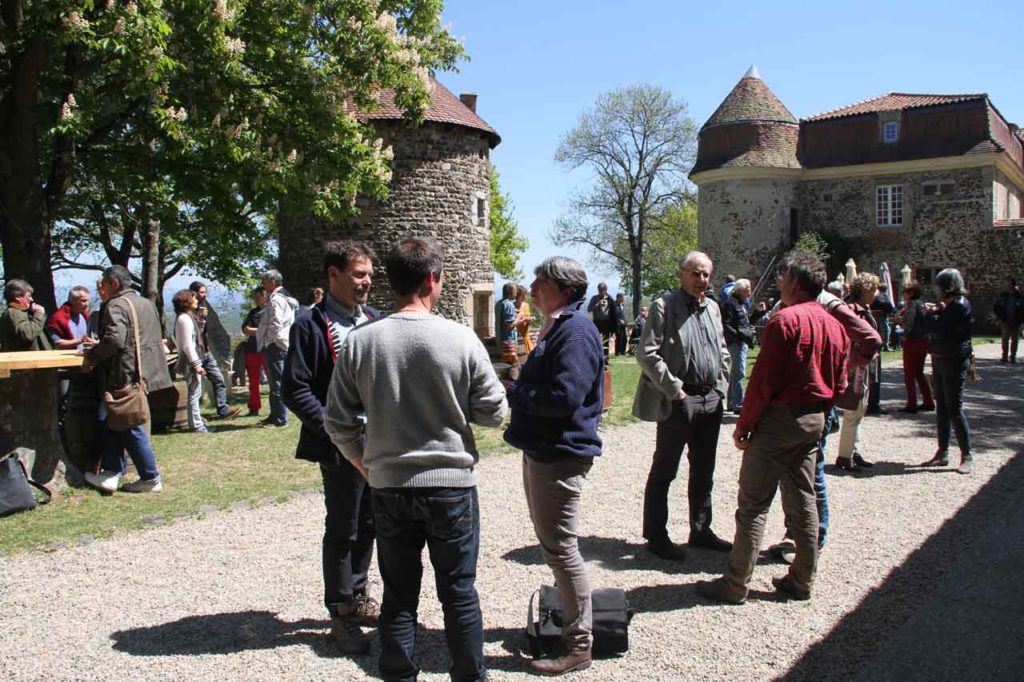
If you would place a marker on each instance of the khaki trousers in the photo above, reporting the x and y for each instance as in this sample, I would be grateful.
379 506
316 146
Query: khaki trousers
781 455
553 497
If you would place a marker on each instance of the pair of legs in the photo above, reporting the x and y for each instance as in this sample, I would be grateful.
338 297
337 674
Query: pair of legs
915 349
348 535
274 357
254 363
553 498
216 379
737 373
950 374
782 455
1011 335
134 441
447 521
693 424
195 391
620 339
849 435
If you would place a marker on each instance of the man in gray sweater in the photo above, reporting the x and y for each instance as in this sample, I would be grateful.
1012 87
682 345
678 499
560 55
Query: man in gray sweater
402 398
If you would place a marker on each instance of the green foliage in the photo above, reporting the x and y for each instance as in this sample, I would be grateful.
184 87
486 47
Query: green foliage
638 143
812 242
211 115
507 245
673 234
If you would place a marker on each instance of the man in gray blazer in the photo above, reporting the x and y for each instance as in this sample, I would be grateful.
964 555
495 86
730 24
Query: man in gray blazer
685 361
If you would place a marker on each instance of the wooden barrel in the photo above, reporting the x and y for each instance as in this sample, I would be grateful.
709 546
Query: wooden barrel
607 389
169 407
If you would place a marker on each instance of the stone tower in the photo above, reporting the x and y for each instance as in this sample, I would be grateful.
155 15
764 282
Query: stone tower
746 173
440 189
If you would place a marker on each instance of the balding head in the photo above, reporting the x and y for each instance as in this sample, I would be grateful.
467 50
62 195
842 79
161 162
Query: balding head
695 273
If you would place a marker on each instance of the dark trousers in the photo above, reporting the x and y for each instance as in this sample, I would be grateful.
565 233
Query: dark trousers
694 425
216 379
875 389
274 356
950 374
1010 336
620 339
447 521
348 534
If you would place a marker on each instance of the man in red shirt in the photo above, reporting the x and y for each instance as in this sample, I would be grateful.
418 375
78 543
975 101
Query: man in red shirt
799 372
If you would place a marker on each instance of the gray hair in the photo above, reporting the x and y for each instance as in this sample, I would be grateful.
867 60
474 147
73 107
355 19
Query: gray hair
692 256
950 282
835 287
272 275
78 289
741 284
566 273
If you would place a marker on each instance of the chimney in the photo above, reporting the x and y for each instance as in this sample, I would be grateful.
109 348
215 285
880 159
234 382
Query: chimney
469 99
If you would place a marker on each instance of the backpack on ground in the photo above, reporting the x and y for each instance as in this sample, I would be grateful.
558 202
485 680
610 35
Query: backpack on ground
611 622
16 487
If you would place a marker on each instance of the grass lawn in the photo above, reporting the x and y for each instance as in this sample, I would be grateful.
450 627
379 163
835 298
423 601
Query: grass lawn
237 462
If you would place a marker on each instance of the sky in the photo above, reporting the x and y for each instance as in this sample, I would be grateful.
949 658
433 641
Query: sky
537 66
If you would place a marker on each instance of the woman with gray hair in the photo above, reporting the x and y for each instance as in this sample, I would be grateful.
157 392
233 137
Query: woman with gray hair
948 325
556 405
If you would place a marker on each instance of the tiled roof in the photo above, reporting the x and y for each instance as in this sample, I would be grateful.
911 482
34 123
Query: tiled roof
893 101
444 108
750 100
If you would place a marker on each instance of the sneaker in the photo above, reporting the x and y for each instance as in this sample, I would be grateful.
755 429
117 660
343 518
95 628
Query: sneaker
785 550
200 429
788 588
966 464
271 425
153 485
861 462
940 459
720 590
845 464
366 609
229 413
105 481
348 636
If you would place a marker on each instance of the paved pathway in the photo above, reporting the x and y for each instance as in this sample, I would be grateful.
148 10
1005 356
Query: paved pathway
918 579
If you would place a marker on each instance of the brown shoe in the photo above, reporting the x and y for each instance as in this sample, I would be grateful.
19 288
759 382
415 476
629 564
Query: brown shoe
346 633
366 609
563 664
666 549
230 413
719 589
787 587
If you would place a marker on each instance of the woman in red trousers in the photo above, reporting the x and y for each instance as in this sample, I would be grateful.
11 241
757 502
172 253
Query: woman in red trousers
253 358
915 349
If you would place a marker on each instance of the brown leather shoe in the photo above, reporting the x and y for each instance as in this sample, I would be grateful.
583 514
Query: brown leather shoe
666 549
719 589
563 664
787 587
349 638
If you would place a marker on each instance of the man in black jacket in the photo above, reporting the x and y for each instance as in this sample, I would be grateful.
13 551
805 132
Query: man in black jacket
737 324
315 340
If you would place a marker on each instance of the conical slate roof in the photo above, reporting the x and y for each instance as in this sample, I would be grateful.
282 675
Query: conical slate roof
750 100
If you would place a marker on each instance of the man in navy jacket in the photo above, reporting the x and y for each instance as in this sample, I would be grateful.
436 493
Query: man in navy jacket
315 339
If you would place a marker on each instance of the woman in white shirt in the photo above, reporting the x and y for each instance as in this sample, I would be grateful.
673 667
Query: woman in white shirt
189 353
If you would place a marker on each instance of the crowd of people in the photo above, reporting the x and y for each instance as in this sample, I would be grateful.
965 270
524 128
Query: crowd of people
351 374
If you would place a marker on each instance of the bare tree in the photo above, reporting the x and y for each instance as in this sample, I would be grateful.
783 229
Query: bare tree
639 143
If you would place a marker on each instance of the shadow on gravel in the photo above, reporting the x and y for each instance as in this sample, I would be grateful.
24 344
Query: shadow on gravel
616 554
968 629
228 633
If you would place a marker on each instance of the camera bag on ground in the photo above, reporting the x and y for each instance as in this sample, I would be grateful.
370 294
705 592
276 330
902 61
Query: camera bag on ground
16 487
611 622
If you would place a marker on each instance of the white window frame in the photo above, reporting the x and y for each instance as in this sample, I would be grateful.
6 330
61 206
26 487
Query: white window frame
889 205
888 126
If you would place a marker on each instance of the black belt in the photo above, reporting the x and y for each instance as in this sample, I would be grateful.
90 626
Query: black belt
693 389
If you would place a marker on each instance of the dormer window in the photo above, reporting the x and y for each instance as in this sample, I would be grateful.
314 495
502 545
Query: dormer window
890 131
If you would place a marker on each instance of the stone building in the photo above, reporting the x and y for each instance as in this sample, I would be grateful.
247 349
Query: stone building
931 181
440 189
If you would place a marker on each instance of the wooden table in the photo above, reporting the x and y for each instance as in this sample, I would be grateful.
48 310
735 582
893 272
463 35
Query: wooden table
38 359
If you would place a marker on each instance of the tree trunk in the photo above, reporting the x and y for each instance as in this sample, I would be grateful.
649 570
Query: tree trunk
151 265
637 284
28 418
24 225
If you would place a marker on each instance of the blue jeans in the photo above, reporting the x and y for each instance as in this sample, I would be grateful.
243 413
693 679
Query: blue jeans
447 521
216 379
195 392
738 371
274 356
949 375
136 442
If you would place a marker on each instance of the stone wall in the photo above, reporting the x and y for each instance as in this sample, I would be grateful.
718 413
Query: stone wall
939 230
741 224
439 185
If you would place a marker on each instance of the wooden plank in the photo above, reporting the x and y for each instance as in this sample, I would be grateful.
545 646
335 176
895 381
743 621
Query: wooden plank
39 359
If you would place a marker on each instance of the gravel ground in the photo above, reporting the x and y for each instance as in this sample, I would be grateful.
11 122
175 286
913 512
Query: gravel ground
236 594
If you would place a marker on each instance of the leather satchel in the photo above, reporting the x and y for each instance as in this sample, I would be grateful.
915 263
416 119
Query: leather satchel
16 487
128 407
854 393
